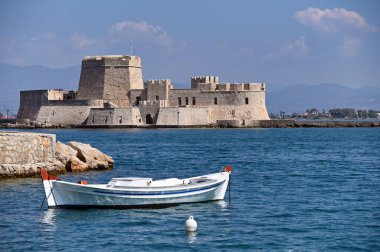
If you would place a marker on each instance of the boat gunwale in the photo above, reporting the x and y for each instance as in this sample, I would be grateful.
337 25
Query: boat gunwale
148 188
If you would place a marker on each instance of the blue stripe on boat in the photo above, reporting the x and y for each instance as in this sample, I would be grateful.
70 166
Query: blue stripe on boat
160 192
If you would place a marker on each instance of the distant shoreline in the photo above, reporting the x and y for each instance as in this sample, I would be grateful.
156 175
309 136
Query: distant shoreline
286 123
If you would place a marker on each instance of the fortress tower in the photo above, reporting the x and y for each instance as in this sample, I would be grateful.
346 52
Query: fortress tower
109 77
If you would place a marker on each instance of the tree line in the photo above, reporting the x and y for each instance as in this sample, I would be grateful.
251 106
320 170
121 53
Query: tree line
336 113
352 113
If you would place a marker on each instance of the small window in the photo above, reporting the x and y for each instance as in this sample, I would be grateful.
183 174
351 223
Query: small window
215 101
138 99
179 101
157 98
93 119
193 100
120 119
187 100
246 100
106 119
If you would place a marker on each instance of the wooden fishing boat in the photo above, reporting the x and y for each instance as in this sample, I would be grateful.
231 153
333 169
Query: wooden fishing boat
135 192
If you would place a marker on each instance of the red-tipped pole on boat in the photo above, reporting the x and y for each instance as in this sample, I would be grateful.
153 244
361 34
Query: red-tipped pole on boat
47 186
229 170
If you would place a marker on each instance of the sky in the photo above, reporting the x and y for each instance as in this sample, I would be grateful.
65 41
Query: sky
277 42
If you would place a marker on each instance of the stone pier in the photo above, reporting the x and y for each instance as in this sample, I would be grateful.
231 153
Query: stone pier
23 154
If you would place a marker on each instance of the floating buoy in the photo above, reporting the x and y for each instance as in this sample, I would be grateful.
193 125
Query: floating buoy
191 224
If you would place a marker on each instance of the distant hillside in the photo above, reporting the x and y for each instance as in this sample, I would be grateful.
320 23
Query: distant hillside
298 98
294 98
13 79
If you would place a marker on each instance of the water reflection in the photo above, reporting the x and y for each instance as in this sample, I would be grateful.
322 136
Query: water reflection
191 237
222 204
48 220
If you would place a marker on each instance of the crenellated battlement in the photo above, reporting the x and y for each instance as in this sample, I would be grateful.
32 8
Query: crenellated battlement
112 61
159 82
197 80
158 89
258 87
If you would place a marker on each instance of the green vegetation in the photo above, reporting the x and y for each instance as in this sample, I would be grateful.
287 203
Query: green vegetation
336 113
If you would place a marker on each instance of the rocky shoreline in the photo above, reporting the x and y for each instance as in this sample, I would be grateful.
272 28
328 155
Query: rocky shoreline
278 123
24 154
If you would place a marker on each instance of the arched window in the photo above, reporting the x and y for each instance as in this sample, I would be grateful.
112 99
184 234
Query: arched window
246 100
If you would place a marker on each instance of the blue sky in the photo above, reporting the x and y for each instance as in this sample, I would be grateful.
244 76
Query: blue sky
277 42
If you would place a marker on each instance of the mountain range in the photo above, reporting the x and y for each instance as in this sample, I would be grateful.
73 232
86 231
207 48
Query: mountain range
292 98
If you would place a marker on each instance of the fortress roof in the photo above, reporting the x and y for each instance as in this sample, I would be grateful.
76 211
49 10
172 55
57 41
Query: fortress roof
116 56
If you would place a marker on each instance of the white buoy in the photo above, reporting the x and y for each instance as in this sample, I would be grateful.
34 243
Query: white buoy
191 224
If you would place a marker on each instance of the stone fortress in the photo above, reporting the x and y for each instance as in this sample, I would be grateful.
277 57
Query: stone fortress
112 93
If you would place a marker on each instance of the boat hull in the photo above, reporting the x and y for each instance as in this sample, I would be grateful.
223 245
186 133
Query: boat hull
61 194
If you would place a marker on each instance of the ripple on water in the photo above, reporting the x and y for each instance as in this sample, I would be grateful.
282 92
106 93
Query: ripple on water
292 190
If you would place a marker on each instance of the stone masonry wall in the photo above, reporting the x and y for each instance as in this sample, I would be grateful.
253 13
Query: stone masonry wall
158 89
91 82
250 105
114 117
109 77
183 116
30 103
22 148
24 154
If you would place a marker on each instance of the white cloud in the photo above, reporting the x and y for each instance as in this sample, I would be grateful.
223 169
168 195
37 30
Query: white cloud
129 30
295 49
351 46
330 19
81 41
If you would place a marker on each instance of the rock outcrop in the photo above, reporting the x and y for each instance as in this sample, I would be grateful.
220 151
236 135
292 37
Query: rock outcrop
91 156
24 154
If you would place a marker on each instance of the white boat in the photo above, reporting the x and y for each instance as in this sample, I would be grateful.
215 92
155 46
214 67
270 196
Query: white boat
134 192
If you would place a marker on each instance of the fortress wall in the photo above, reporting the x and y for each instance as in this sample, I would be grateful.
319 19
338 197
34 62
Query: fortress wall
26 148
114 117
66 112
63 115
149 110
100 117
236 87
91 82
223 87
55 94
133 94
196 80
94 103
30 103
256 86
116 83
127 116
158 88
222 98
109 77
121 103
135 72
254 110
186 116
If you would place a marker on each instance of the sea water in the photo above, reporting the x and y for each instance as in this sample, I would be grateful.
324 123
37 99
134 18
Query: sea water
292 190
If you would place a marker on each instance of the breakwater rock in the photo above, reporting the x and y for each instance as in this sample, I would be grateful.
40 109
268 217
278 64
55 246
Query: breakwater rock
23 154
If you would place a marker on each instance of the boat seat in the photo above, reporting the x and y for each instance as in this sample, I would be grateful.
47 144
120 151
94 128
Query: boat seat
166 182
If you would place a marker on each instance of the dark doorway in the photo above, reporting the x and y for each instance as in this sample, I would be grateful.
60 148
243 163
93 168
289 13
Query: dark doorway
149 119
138 99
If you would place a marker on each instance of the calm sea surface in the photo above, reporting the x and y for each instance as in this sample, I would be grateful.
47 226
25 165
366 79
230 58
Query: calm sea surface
292 190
